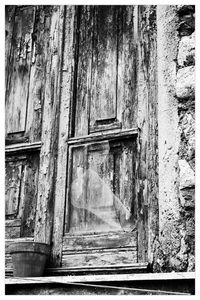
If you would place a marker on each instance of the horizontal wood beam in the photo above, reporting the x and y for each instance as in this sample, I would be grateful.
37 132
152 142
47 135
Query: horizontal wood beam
22 147
104 278
122 134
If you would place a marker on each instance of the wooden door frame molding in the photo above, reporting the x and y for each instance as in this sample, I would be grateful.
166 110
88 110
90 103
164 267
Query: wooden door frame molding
66 98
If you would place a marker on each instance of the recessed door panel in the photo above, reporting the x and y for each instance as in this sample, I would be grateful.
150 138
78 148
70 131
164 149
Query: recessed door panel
105 88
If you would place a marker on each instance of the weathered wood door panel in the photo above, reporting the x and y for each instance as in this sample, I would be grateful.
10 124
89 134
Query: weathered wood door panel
101 210
101 214
28 32
18 81
101 186
21 194
105 93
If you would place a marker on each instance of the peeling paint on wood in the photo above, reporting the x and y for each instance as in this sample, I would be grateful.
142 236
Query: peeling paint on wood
48 155
100 258
13 182
66 99
18 76
21 194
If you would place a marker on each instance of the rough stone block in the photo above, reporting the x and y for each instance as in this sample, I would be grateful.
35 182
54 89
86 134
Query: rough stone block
186 54
187 176
191 263
190 227
187 197
185 84
184 9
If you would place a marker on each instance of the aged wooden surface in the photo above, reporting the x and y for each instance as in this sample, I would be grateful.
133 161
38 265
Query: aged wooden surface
22 147
18 76
97 241
147 183
27 35
87 206
28 196
103 278
101 257
66 96
127 66
104 65
102 187
48 154
9 23
21 194
83 65
12 228
106 81
13 182
107 135
91 73
39 61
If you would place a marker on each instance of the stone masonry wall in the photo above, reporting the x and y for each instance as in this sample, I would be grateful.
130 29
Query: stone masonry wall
176 134
185 92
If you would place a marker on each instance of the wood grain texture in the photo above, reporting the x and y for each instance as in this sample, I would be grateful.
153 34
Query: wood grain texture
9 23
37 74
28 196
109 135
48 154
22 148
12 228
97 241
102 187
100 258
95 205
18 77
106 85
12 190
66 99
147 180
21 194
127 67
104 64
83 64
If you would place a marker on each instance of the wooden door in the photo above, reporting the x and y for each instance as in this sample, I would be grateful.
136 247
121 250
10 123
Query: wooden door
100 229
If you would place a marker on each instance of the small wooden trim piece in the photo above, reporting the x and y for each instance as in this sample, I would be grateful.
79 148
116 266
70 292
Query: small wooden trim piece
101 137
23 147
13 223
134 267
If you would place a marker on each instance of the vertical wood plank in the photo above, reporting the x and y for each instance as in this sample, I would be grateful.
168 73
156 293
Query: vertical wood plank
12 188
18 79
104 64
48 154
37 74
9 23
84 62
147 140
66 98
127 68
28 195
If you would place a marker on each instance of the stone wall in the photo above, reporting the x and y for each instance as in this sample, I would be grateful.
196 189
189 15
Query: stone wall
176 91
185 92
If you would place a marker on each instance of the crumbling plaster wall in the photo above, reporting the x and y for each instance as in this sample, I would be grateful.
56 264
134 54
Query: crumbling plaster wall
176 136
